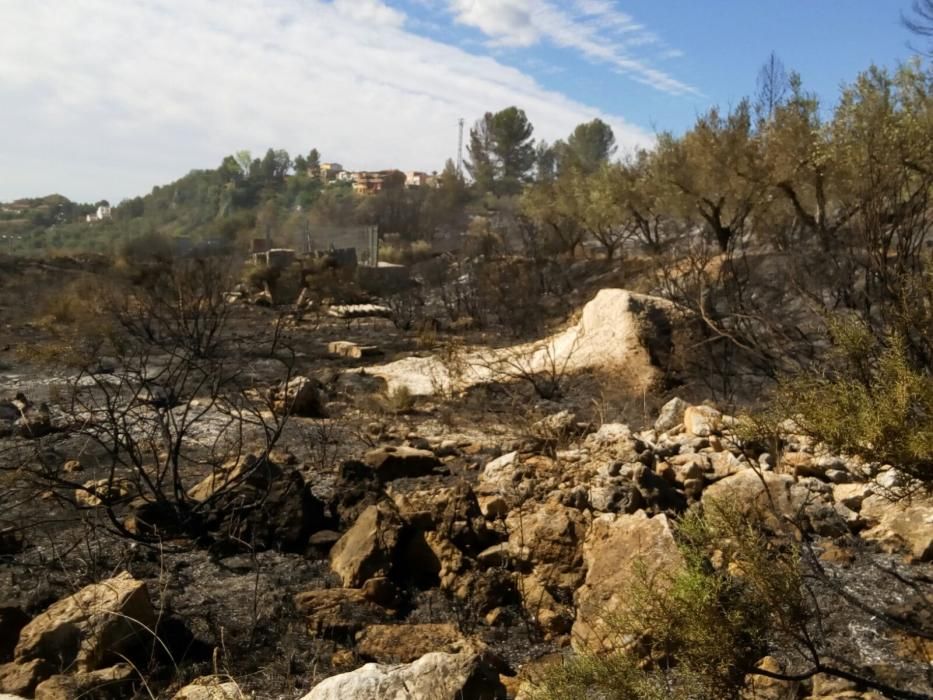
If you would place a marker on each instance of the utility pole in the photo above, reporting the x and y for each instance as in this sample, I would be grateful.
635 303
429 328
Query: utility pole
460 149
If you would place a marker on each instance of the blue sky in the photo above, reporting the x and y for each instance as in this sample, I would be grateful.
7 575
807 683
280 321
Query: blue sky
106 98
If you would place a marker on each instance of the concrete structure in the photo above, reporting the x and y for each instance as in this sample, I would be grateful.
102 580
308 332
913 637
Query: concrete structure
279 258
103 212
416 179
364 240
366 182
330 171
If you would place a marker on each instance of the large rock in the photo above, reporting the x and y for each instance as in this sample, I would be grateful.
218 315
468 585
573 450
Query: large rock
367 549
93 626
338 612
390 463
900 526
256 502
435 676
777 500
618 549
407 643
618 331
613 441
300 396
453 511
549 538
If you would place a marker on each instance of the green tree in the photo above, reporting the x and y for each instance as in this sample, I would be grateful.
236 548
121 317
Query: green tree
501 151
590 145
314 163
480 164
546 156
301 165
514 148
714 173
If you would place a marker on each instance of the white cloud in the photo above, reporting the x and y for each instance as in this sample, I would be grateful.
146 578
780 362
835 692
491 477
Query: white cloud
106 98
596 29
370 11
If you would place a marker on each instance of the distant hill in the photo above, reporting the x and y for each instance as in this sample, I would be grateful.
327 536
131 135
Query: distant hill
270 197
220 203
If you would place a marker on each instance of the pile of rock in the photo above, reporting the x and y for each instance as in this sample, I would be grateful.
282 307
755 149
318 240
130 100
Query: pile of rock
77 644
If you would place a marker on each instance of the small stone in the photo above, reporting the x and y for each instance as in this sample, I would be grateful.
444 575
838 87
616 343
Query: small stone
671 415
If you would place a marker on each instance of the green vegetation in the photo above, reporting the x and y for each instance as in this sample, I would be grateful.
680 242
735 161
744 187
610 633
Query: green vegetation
742 610
699 632
870 401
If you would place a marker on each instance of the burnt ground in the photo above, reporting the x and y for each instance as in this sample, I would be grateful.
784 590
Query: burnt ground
233 611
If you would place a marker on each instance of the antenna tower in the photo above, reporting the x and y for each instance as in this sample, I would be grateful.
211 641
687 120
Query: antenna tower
460 149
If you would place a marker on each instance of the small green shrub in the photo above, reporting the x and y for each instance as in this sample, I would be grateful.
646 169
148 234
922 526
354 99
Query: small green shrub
399 400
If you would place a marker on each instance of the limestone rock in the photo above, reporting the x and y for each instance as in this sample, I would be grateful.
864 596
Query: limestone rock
702 421
552 617
900 526
87 628
452 510
549 538
345 348
338 612
726 464
502 471
390 463
614 549
613 440
104 683
764 688
851 495
690 466
21 678
435 676
210 688
299 396
776 498
366 549
407 643
671 415
99 491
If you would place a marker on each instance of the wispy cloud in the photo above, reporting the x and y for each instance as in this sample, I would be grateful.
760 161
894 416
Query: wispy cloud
105 98
594 28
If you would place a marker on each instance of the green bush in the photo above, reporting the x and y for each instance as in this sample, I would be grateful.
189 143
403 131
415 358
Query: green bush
869 401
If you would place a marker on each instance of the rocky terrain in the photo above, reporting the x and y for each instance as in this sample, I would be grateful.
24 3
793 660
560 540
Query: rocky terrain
418 544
